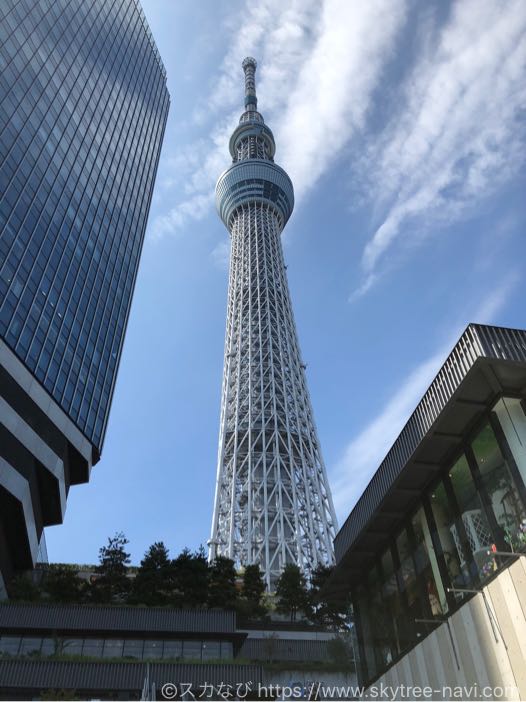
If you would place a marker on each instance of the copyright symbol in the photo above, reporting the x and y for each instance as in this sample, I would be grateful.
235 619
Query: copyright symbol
169 691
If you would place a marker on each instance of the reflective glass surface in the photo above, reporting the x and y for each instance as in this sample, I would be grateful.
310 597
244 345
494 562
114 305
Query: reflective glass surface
9 645
83 105
474 519
133 648
192 650
153 649
139 649
427 564
172 649
512 420
454 550
501 488
442 550
397 619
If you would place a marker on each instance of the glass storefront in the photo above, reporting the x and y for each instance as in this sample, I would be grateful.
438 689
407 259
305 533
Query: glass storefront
133 648
427 567
476 531
453 547
512 419
384 640
501 488
153 649
408 583
393 607
113 648
137 649
476 508
211 650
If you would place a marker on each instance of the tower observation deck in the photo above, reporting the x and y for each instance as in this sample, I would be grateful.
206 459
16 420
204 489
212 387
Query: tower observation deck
273 504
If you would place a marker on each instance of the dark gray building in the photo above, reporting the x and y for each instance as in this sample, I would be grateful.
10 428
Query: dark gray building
83 107
118 652
433 554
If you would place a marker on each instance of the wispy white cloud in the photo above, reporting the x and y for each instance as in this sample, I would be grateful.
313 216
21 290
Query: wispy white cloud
320 63
331 97
194 170
451 137
180 165
457 133
194 208
366 450
220 254
280 36
363 288
277 35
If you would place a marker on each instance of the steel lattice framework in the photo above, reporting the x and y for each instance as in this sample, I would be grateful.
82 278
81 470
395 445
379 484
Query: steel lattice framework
273 504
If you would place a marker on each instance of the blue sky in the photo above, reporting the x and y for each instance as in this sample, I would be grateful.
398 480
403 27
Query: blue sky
401 125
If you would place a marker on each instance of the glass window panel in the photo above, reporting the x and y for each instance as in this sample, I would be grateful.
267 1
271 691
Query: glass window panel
406 573
93 647
211 650
132 649
365 616
449 538
513 422
173 649
410 586
153 649
391 597
192 650
72 647
9 645
113 648
227 649
30 646
49 647
474 518
499 484
427 564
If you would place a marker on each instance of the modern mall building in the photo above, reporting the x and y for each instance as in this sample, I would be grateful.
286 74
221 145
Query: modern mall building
431 552
83 107
117 652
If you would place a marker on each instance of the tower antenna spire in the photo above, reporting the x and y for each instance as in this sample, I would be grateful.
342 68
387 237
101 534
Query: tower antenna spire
249 67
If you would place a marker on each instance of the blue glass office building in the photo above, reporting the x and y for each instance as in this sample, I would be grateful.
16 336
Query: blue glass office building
83 107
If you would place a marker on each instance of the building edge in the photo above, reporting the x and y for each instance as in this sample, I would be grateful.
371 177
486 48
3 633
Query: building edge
42 453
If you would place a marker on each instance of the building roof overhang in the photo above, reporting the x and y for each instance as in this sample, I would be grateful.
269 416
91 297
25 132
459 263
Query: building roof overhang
118 621
91 678
485 364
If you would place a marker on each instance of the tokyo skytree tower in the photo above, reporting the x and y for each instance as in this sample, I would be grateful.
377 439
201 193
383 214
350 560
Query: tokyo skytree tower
273 504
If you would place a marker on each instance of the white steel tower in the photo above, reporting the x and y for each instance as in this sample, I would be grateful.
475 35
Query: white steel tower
273 504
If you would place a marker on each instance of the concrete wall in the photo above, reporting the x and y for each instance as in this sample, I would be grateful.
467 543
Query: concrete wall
489 656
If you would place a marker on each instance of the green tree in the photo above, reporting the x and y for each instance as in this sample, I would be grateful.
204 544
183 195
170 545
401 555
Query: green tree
154 582
62 584
113 584
222 590
252 592
291 592
190 573
327 610
23 589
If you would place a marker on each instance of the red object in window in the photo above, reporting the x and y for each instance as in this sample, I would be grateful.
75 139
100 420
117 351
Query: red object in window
493 548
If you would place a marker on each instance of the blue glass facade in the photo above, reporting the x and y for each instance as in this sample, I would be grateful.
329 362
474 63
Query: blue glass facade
83 107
